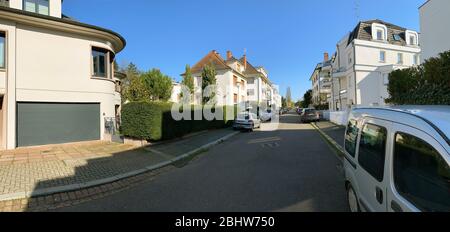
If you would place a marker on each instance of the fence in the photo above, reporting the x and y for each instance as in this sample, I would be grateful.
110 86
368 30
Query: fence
339 117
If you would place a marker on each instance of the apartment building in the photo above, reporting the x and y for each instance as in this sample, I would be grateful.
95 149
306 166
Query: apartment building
364 59
57 78
321 82
237 80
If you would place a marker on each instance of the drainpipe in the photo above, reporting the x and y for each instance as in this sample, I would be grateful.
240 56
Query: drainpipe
354 71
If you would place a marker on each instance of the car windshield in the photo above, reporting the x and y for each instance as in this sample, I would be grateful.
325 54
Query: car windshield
310 111
244 116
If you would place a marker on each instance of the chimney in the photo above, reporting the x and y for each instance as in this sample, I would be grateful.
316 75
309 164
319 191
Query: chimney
326 57
245 61
229 55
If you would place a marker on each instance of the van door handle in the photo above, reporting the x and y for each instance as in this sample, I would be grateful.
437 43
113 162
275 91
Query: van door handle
396 207
379 195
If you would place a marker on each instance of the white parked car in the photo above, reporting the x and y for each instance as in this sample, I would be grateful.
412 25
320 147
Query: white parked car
266 116
247 121
397 159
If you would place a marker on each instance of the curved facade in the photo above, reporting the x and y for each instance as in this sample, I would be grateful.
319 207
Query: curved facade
57 72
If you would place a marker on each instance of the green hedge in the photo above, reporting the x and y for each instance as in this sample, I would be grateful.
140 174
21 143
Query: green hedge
153 121
427 84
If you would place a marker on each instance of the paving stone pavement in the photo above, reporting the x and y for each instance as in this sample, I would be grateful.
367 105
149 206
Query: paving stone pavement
32 170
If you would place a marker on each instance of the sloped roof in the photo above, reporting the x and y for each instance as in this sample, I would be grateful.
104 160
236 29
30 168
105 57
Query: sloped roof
213 58
251 70
363 31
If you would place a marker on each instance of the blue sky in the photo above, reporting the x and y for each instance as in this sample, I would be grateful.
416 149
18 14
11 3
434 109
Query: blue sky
288 37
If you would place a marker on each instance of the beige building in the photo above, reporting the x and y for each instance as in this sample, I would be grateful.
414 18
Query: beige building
321 82
237 81
57 81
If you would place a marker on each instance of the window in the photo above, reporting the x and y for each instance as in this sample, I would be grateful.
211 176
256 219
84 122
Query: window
397 37
235 80
421 175
4 3
416 59
350 60
251 81
235 98
2 50
372 150
380 35
350 137
99 62
412 40
251 92
400 58
37 6
382 56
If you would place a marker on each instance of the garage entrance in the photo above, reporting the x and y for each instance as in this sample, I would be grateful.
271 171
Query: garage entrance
56 123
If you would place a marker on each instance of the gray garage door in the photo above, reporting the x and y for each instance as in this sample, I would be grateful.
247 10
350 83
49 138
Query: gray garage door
54 123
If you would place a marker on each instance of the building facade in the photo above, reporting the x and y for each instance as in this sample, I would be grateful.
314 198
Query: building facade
237 81
321 82
364 59
434 37
57 81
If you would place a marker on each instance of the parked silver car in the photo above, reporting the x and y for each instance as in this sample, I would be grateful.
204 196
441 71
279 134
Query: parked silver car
397 159
247 121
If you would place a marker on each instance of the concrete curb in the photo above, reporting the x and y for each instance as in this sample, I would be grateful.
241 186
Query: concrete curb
330 140
74 187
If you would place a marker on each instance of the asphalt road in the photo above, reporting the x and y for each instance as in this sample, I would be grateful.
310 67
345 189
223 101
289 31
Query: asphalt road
290 169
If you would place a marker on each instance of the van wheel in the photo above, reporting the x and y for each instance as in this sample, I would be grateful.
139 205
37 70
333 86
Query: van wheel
352 199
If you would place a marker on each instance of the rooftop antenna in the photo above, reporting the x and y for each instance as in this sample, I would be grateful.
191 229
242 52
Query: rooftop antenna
245 51
357 5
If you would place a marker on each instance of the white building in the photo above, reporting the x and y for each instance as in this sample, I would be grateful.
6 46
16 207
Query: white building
321 82
57 80
435 33
237 80
364 59
176 93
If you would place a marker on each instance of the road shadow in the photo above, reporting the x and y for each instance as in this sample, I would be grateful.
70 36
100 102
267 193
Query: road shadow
290 169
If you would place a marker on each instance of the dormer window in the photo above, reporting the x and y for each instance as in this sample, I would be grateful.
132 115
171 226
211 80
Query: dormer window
37 6
380 35
412 38
379 32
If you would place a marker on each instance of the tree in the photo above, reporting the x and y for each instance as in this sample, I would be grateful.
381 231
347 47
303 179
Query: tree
283 102
132 88
137 90
427 84
208 83
307 99
289 97
188 81
158 85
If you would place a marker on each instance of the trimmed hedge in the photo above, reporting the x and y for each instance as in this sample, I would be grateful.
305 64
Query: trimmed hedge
153 121
427 84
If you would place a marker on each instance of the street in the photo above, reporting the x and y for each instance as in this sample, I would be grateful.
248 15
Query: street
291 169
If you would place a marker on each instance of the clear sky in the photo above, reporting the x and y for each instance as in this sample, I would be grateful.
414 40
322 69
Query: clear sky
288 37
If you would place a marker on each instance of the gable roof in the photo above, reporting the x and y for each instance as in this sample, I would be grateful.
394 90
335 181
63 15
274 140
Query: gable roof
213 58
363 31
250 70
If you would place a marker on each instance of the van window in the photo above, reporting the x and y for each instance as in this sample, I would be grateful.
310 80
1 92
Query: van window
372 150
421 175
351 136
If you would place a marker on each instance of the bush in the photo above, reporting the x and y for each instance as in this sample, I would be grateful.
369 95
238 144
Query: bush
428 84
153 121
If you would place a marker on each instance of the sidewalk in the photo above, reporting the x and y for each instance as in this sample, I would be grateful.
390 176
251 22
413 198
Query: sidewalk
336 132
32 172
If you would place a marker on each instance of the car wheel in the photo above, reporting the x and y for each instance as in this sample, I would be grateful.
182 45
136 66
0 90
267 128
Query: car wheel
352 199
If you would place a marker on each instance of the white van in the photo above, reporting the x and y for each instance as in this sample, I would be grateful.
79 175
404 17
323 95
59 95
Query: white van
397 159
